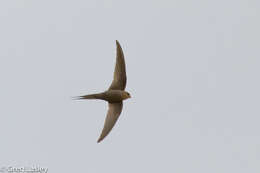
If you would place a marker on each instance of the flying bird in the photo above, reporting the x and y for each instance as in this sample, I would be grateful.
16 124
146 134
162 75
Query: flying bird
114 95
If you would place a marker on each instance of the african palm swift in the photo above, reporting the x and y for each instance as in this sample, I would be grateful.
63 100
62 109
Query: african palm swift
114 95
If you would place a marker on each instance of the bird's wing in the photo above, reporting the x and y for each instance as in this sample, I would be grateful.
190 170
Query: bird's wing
119 81
114 110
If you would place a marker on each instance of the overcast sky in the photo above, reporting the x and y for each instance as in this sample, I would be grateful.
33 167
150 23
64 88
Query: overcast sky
193 73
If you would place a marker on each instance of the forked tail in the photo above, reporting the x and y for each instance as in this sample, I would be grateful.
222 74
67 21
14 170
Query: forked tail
90 96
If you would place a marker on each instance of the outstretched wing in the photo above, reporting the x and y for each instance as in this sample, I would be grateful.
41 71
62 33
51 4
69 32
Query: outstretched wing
119 81
114 110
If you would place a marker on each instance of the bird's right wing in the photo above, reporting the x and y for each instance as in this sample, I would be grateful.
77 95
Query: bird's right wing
114 110
119 81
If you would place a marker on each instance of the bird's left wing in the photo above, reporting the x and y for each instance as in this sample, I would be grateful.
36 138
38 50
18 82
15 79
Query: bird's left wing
119 81
114 110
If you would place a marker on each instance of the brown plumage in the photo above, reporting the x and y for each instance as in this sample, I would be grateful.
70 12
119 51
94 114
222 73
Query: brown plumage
114 95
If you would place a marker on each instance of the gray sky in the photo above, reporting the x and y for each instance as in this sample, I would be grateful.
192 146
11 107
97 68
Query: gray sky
193 73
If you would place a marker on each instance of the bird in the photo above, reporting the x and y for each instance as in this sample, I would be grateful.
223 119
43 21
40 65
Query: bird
114 95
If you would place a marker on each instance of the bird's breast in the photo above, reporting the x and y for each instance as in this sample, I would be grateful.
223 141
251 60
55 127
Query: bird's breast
113 96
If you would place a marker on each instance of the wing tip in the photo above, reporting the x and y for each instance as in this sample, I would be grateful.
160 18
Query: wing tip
117 43
99 140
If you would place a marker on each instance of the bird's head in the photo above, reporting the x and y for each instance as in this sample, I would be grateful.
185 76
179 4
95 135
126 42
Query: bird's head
126 95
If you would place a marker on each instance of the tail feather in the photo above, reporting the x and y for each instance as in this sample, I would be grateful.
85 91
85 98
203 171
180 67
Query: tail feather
90 96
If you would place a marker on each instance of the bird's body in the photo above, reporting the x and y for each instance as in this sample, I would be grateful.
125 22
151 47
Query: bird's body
114 95
111 96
